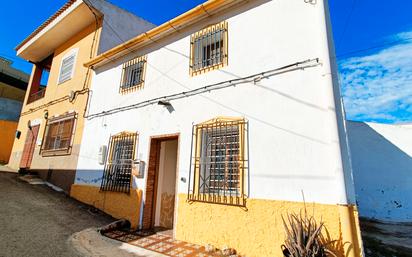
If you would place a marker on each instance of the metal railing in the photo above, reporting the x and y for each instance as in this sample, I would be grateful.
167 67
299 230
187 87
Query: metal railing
36 96
117 176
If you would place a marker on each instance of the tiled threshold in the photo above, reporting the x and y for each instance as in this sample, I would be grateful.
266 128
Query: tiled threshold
160 242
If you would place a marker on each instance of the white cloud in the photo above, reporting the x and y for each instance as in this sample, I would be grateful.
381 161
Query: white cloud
378 87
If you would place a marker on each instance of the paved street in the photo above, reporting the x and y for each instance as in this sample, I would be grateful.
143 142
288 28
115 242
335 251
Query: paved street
37 221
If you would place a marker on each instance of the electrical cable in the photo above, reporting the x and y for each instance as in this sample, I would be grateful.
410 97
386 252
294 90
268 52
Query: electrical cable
392 43
229 83
348 18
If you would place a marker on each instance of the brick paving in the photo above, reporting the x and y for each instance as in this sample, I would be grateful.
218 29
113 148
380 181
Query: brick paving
160 243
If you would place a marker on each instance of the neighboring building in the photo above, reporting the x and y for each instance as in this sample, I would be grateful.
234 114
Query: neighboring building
220 121
51 121
382 169
13 85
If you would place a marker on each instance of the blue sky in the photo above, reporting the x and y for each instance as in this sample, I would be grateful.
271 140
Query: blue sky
373 42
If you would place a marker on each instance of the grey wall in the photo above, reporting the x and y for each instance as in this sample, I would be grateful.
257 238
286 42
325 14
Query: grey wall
382 169
118 25
9 109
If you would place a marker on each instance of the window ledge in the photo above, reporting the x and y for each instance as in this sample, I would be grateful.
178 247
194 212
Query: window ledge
128 90
216 199
194 72
55 152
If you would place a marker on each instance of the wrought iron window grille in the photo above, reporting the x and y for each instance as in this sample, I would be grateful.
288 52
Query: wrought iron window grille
117 173
209 48
219 162
133 74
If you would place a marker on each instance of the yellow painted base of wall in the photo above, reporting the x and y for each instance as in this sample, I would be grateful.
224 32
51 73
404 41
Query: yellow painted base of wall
118 205
259 231
7 134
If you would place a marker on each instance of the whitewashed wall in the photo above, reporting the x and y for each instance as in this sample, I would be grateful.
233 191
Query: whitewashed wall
382 169
294 144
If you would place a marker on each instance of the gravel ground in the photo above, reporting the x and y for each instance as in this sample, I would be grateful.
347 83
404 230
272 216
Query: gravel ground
37 221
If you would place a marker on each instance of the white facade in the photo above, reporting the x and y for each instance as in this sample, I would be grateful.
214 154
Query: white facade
296 130
382 168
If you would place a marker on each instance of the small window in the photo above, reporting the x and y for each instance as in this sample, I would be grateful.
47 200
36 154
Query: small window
58 135
67 66
220 162
118 170
209 48
133 75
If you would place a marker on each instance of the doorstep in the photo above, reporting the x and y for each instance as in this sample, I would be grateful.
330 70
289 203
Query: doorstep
5 168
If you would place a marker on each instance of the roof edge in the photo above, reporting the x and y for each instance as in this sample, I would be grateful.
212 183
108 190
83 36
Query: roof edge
47 22
205 9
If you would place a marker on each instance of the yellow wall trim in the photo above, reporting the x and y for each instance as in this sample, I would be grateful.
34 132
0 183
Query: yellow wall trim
258 231
118 205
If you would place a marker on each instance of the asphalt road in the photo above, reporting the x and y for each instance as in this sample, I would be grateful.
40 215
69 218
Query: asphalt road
37 221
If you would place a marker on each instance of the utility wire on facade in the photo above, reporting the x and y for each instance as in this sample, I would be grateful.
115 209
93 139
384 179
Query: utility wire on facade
85 89
225 84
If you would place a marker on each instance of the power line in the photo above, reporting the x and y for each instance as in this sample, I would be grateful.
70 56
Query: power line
225 84
392 43
84 89
348 18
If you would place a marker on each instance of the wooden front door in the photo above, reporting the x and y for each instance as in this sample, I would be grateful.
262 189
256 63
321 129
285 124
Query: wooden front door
148 214
149 210
29 146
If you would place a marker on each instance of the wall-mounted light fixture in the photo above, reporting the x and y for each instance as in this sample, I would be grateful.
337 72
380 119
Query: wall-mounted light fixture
166 104
46 114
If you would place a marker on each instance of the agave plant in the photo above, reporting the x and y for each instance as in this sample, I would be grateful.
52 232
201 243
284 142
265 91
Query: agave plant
304 237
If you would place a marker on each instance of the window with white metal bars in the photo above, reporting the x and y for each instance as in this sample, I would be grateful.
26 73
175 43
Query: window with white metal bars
220 162
118 170
133 74
58 135
67 67
209 48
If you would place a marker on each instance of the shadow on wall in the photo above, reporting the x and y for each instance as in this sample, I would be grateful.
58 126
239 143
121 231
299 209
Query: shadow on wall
382 171
58 177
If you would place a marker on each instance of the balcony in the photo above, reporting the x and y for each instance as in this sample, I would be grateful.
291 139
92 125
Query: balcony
36 96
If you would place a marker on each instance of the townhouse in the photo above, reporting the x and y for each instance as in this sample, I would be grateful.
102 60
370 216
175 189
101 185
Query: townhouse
50 127
218 122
